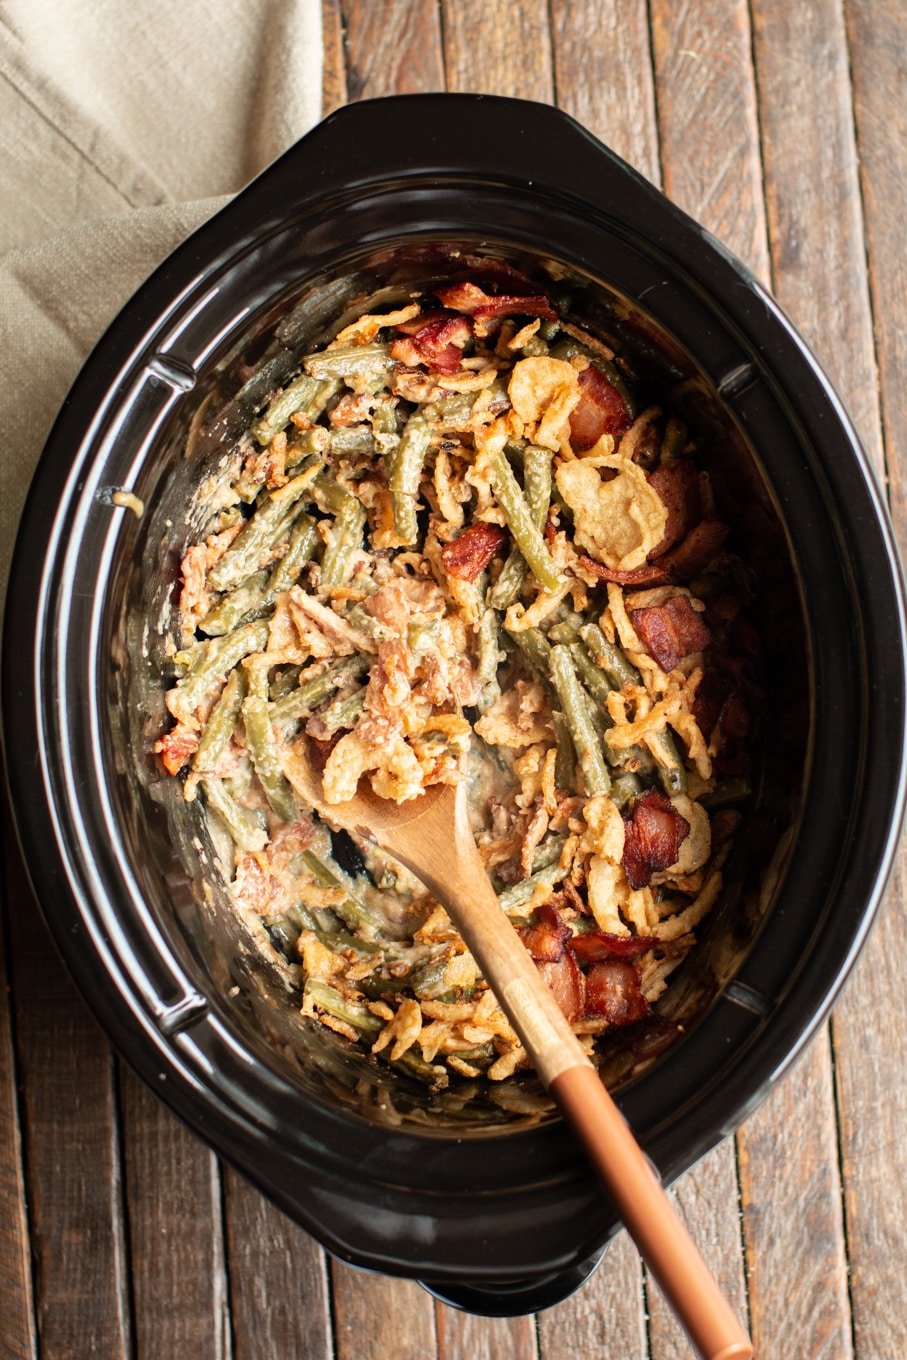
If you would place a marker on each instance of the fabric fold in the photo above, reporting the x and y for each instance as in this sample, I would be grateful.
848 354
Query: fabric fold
122 128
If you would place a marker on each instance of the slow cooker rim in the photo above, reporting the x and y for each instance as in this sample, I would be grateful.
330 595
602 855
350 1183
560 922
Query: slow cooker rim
9 684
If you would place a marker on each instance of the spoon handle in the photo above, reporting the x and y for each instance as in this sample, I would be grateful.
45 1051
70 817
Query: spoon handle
445 857
650 1218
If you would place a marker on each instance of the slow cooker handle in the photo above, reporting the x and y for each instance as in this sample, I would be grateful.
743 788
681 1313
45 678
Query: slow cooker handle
482 138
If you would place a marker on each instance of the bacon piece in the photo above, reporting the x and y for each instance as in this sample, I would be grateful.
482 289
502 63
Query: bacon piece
417 323
438 342
176 746
567 983
696 551
712 693
475 302
654 574
546 939
653 834
671 631
468 556
677 486
598 945
687 560
613 991
600 410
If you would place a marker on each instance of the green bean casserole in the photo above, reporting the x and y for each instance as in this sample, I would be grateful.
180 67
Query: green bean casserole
459 544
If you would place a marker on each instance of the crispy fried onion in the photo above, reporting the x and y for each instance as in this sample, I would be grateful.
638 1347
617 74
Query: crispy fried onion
543 392
618 521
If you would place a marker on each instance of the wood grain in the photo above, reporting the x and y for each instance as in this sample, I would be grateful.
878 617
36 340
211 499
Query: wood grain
333 76
376 1318
496 47
792 1214
878 44
17 1324
706 1200
278 1281
71 1151
392 47
707 119
605 1318
868 1027
603 75
463 1337
812 196
179 1285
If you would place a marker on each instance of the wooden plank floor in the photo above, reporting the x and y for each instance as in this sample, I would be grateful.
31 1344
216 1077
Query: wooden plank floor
784 129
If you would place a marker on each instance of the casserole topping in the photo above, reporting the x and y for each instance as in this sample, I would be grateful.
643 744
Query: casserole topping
454 546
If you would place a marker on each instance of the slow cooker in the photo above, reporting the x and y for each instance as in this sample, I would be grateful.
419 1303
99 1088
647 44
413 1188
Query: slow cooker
488 1201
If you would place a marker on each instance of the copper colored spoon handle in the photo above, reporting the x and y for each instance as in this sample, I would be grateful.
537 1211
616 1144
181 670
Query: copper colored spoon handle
651 1220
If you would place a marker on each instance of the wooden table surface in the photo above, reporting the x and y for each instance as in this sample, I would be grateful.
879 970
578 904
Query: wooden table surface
782 127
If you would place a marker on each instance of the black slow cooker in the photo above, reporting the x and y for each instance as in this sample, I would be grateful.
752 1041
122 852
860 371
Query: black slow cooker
488 1201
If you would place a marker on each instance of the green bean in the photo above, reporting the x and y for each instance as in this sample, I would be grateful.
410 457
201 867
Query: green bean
336 940
384 417
358 617
592 677
350 442
219 657
490 657
346 537
573 702
537 486
625 787
256 594
302 544
520 893
265 757
429 982
305 445
331 495
282 407
565 764
247 828
404 473
345 361
520 522
451 412
354 913
548 851
429 1074
675 436
256 541
233 608
328 999
671 769
221 721
609 656
536 649
285 683
343 712
299 703
726 793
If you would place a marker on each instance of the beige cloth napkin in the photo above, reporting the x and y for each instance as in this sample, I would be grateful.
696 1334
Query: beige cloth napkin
122 125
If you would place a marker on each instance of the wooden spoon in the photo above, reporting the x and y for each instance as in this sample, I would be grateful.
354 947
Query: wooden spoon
432 837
